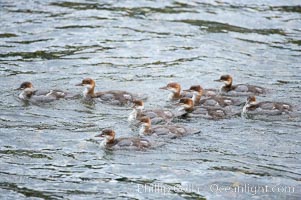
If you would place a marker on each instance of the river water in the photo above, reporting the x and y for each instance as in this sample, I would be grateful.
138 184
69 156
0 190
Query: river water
49 151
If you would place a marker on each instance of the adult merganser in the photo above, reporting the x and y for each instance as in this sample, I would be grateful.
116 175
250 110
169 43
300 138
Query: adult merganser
110 141
115 97
240 89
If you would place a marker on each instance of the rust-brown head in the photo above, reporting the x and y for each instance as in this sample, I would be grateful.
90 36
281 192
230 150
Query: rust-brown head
145 121
197 89
89 85
251 100
25 85
88 82
227 79
186 103
138 104
173 87
108 134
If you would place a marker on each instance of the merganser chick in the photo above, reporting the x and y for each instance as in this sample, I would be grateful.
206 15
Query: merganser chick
197 92
29 93
207 112
110 141
115 97
170 131
157 115
175 89
210 92
265 107
240 89
211 101
202 92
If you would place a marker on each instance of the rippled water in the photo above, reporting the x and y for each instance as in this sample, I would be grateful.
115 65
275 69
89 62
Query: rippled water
49 151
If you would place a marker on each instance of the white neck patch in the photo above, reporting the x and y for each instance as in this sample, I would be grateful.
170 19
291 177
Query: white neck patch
227 82
106 140
246 106
140 108
25 92
181 108
171 96
87 89
173 90
142 130
132 116
195 96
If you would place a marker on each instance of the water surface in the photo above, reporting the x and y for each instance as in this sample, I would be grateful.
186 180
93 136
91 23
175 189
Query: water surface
49 152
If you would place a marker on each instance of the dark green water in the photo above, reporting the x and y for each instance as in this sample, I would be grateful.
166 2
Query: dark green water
49 152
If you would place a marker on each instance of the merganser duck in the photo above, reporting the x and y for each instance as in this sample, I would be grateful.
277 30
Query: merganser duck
197 92
176 94
110 141
212 100
240 89
114 97
29 93
265 107
203 92
175 89
157 115
206 112
170 131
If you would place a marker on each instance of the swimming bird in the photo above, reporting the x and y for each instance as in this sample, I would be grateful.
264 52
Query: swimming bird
187 105
239 89
29 93
111 142
114 97
171 131
157 115
211 101
266 107
175 89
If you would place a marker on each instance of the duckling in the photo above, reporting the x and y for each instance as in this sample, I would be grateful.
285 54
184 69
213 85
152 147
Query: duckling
215 113
240 89
157 115
175 89
114 97
211 101
265 107
170 131
111 142
29 93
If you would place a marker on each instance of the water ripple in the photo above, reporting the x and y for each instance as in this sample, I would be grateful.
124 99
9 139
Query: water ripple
49 150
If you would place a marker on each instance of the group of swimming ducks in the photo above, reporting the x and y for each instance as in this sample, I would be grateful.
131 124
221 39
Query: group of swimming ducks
197 102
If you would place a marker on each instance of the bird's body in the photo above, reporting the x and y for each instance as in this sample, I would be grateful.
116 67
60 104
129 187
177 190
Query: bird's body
240 89
122 143
265 108
114 97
